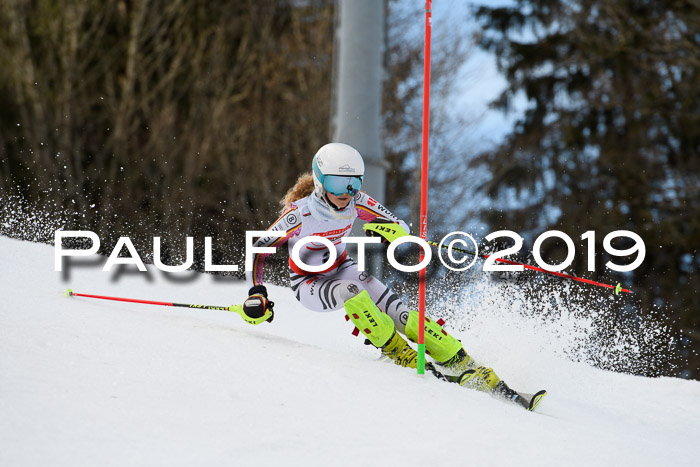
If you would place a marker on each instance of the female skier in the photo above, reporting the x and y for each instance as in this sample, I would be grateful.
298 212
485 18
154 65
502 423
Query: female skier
326 203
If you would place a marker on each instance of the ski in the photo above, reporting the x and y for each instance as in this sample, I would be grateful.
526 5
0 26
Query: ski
527 401
532 399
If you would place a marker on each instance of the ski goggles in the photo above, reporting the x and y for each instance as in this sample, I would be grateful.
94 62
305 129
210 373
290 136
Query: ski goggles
339 185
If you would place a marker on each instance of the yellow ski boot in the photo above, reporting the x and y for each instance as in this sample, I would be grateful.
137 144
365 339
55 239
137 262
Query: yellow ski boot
380 330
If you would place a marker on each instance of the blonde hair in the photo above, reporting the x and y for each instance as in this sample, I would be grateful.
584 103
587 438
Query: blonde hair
303 187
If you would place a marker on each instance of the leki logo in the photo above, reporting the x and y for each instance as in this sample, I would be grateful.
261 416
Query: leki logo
381 228
370 318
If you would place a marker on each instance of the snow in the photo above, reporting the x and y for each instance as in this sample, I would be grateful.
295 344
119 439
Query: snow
95 382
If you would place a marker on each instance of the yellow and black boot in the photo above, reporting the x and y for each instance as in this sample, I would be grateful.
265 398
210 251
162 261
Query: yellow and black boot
459 363
380 330
480 378
484 379
398 350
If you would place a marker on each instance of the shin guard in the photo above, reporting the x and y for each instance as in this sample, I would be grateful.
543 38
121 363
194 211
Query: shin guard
376 325
438 343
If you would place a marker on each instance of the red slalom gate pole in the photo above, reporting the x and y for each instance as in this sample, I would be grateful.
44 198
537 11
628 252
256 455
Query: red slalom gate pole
424 184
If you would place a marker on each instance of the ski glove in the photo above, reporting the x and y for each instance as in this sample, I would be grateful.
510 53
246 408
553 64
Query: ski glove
385 228
257 308
258 289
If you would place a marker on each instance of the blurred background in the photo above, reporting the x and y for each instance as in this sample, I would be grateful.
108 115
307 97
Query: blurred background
192 118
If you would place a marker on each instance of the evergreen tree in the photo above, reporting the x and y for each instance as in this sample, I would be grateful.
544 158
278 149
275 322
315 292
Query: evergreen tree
609 139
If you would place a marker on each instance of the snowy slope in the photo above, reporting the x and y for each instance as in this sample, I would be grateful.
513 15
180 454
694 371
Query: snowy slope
92 382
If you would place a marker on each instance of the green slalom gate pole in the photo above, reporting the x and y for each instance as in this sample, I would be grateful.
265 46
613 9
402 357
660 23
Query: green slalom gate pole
424 184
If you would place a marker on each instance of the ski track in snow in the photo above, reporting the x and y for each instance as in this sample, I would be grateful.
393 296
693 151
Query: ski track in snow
94 382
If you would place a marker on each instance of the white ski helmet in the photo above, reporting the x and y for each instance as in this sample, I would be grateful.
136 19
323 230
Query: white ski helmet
337 169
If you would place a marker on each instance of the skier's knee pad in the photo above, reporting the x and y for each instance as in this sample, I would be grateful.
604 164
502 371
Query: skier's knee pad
370 320
438 343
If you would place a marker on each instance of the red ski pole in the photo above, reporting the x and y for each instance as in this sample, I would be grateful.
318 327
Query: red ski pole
70 293
617 288
267 317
